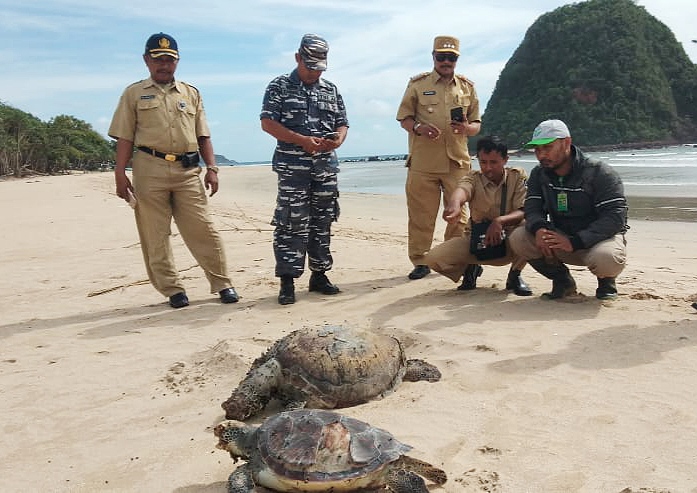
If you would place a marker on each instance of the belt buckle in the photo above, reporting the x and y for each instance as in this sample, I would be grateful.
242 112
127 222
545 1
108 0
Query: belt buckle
170 157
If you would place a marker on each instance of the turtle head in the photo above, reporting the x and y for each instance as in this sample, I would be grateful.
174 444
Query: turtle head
235 437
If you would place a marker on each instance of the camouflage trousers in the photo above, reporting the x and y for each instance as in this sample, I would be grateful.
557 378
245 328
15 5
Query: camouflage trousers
306 205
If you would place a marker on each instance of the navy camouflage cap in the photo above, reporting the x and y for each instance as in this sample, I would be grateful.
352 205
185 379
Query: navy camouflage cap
161 44
313 50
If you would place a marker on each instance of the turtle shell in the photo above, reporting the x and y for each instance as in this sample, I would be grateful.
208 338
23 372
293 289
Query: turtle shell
318 446
340 366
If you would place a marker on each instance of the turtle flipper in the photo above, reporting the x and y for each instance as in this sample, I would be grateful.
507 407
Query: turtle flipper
241 480
254 392
418 369
401 481
421 468
294 405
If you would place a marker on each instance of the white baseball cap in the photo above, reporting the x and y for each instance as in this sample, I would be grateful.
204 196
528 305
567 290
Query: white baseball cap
548 131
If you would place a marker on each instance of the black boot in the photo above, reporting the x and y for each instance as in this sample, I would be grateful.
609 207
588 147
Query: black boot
469 277
562 283
286 296
607 290
320 283
516 284
419 272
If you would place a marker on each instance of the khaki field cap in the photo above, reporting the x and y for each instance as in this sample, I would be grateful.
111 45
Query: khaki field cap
446 44
548 131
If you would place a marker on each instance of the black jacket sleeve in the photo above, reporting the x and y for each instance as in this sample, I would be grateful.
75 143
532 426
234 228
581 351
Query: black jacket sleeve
534 207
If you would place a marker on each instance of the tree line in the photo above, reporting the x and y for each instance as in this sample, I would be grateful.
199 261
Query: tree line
29 145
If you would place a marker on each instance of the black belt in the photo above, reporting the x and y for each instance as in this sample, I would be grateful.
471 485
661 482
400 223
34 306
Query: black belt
162 155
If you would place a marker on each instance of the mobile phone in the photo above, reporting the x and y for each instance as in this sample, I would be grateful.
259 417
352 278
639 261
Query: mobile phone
456 114
332 136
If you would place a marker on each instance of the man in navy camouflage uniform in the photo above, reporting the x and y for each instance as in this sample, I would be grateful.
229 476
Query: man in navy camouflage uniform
307 116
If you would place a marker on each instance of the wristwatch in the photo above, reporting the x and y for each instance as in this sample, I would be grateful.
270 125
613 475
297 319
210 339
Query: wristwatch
415 127
214 169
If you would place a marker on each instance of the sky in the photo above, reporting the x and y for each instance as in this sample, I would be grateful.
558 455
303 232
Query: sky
75 57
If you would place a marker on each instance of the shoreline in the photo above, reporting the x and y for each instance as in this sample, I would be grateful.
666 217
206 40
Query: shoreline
663 204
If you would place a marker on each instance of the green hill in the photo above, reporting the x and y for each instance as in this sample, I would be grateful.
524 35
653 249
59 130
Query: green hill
610 70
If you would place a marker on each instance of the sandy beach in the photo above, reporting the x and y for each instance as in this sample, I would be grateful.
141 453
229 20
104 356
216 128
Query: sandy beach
104 387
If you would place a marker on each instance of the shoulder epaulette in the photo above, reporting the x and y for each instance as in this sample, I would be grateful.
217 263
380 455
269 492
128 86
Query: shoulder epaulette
135 83
464 79
419 76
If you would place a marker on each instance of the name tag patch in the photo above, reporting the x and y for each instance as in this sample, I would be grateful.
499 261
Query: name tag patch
147 96
429 93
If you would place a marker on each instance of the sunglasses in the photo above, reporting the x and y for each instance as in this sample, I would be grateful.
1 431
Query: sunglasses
451 57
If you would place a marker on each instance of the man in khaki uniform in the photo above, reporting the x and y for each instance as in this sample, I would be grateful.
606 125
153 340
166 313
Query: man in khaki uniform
165 121
438 156
484 189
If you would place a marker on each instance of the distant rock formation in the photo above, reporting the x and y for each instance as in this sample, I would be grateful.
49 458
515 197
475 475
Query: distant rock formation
220 159
614 73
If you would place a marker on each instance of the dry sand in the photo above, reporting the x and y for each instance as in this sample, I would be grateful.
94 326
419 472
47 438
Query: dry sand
103 387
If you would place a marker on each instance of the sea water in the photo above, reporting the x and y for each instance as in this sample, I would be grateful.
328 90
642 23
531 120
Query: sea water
665 172
660 184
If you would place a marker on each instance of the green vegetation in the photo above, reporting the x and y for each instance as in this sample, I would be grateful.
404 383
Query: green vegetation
29 145
611 71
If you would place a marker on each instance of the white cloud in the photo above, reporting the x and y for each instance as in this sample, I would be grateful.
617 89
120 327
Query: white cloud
76 56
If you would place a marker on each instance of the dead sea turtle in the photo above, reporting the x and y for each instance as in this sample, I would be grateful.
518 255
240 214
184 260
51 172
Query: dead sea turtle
316 450
326 368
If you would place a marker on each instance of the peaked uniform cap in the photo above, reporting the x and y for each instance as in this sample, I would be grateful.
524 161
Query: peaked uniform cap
161 44
548 131
443 44
313 50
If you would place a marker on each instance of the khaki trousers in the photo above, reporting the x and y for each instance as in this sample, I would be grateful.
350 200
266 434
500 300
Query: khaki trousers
451 257
165 190
424 194
604 259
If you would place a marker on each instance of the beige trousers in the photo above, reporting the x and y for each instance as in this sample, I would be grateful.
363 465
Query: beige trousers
604 259
165 190
424 194
451 257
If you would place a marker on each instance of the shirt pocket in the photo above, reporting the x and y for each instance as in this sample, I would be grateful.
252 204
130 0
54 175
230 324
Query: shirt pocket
429 104
150 114
462 100
187 116
327 115
293 110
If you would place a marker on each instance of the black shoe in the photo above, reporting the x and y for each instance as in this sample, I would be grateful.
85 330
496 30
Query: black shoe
516 284
419 272
228 295
561 288
607 290
286 296
694 305
469 278
320 283
178 300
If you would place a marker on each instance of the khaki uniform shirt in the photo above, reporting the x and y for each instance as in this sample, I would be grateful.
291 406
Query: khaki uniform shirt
429 99
166 117
485 195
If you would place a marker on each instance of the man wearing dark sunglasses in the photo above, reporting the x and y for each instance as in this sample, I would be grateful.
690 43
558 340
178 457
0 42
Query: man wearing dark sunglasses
439 110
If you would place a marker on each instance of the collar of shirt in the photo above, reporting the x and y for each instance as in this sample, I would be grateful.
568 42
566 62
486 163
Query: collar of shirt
488 183
165 87
437 79
295 79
